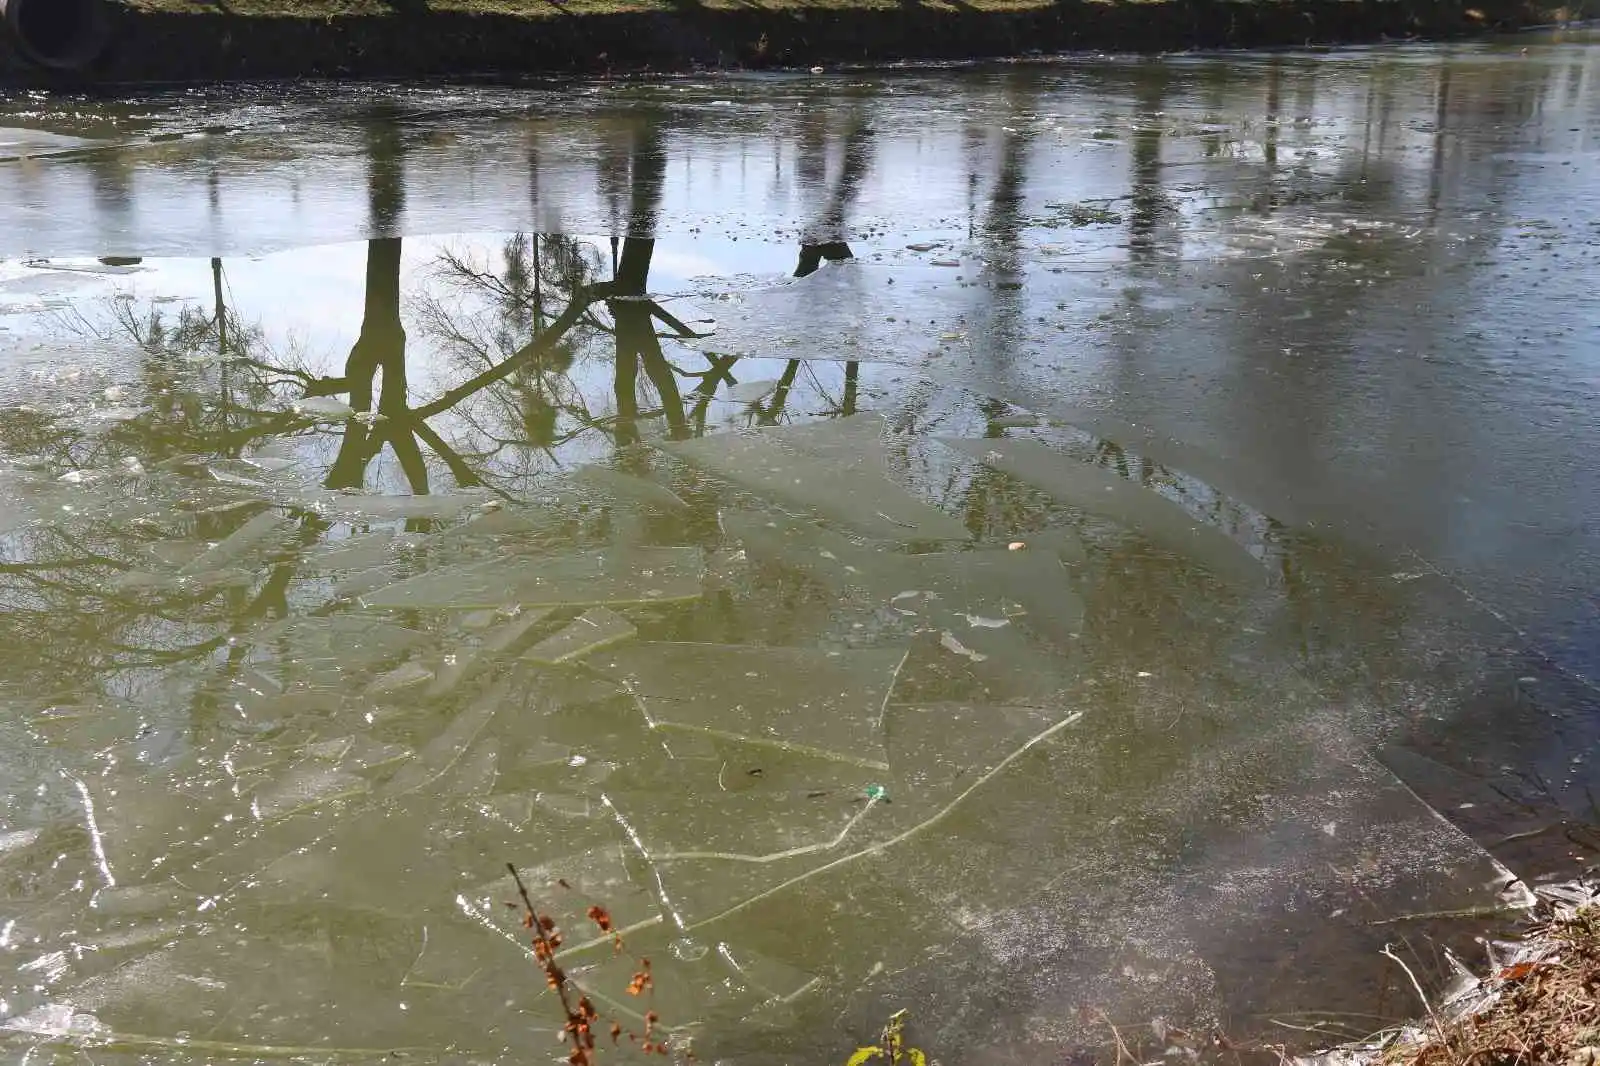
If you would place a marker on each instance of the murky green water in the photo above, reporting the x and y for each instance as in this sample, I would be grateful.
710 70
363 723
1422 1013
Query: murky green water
1039 546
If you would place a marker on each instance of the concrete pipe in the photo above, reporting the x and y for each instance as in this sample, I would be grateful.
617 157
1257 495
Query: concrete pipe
65 35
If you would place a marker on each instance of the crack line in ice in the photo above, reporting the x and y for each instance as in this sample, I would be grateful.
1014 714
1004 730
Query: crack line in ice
884 845
633 836
1500 616
95 840
804 849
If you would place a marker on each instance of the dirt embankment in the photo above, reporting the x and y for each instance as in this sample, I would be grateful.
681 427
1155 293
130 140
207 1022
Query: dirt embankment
184 40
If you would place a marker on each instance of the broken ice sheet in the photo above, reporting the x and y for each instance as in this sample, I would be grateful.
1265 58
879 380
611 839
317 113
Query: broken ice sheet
335 645
711 765
469 660
322 406
939 750
948 641
391 858
869 313
406 675
852 491
362 551
174 553
803 699
589 632
146 822
1015 666
210 581
475 773
157 999
365 753
609 576
601 736
362 582
442 753
566 886
264 532
307 785
353 506
18 839
628 488
329 750
745 827
1102 492
450 957
951 587
498 522
125 901
801 911
856 440
515 810
702 890
693 982
827 555
777 979
747 392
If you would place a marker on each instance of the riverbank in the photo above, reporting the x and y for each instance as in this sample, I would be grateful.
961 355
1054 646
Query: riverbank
211 40
1539 1001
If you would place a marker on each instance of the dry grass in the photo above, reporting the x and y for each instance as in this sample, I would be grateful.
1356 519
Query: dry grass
1548 1010
1539 1003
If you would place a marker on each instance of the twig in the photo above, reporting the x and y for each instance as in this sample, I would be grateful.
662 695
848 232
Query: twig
558 977
1123 1054
1465 912
1417 985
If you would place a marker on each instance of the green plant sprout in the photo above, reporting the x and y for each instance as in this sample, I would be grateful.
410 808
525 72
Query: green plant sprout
891 1047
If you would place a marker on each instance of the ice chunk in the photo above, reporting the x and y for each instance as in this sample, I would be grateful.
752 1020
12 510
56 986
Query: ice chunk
608 576
802 699
1102 492
588 633
843 481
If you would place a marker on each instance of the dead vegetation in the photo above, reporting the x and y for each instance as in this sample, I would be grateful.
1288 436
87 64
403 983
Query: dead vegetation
1548 1010
583 1020
1538 1004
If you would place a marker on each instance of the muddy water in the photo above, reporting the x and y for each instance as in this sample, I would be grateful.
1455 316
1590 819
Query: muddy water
1045 547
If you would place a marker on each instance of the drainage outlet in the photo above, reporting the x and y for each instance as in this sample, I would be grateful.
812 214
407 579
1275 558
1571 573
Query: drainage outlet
66 35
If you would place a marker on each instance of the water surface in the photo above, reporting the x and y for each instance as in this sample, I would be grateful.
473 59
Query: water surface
1048 546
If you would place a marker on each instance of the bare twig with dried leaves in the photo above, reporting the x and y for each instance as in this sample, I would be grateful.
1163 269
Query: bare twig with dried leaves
581 1016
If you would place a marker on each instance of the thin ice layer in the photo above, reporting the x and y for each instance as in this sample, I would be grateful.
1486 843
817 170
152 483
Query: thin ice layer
1102 492
804 699
608 576
849 489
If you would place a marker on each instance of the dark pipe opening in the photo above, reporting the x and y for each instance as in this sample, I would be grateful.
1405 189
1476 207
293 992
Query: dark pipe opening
64 34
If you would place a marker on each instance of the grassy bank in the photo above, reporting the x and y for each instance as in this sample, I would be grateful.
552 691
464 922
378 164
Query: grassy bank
231 39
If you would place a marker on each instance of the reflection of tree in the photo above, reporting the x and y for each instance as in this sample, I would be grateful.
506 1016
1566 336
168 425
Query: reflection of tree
482 314
1269 140
825 238
381 349
633 312
205 385
1441 114
379 353
1148 203
1001 231
999 228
